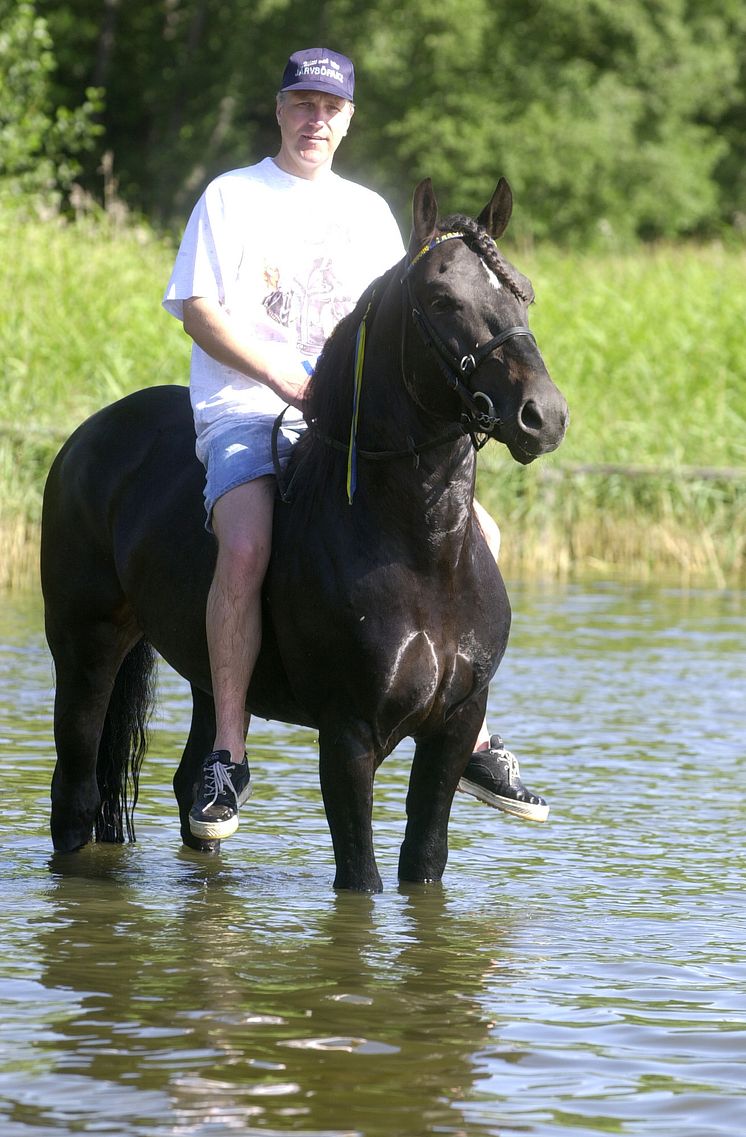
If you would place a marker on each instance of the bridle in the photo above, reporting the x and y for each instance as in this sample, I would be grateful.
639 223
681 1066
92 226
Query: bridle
477 420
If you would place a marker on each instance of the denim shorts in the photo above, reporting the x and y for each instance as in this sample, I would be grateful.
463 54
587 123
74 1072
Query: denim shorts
243 452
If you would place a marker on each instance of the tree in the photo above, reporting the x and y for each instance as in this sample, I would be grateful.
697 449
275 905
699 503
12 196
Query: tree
612 119
603 115
39 144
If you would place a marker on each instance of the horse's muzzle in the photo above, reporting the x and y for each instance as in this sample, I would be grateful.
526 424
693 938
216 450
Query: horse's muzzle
537 428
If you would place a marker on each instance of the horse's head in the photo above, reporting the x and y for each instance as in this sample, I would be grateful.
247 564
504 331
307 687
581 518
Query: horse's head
470 307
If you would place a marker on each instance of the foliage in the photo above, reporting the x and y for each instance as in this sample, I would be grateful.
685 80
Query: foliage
40 144
612 119
680 524
592 109
647 346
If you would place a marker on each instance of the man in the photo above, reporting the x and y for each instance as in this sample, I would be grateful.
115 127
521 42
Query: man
272 257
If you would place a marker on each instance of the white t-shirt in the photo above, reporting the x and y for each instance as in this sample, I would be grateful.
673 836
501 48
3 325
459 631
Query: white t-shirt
286 258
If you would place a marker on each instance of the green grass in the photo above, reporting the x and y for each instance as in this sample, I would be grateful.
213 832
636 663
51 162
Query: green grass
646 347
83 320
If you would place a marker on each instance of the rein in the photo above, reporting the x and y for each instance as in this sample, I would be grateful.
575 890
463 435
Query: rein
412 451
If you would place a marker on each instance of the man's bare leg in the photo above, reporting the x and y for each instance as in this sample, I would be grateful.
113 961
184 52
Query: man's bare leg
491 533
242 521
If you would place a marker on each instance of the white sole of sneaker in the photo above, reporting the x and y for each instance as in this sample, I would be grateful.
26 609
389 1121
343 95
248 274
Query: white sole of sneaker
213 830
523 809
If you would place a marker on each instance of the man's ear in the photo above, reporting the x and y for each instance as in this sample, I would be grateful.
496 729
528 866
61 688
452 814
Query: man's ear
349 116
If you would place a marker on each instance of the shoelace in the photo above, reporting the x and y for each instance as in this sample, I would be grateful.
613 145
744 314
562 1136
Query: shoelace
221 780
512 763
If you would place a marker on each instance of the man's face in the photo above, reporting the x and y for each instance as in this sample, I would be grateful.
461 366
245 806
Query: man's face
312 125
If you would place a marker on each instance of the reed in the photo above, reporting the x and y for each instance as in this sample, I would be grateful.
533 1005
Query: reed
685 525
646 345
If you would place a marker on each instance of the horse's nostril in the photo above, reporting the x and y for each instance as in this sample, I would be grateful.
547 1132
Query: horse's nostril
530 417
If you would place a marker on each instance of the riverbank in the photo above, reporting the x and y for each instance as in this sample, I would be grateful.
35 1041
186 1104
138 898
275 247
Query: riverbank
646 345
686 525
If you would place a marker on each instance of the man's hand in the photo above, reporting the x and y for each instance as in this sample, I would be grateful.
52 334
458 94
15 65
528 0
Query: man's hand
289 382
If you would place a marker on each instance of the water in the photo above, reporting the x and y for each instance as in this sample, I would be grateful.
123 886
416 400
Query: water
585 976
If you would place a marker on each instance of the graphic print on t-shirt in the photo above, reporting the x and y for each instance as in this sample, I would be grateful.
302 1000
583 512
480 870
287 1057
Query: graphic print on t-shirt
311 308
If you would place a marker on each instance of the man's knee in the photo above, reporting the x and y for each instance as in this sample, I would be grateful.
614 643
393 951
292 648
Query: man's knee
243 556
242 522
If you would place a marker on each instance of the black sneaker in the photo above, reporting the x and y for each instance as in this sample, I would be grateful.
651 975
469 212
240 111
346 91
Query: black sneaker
224 786
493 777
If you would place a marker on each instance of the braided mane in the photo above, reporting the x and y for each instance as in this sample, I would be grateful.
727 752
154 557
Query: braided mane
334 369
478 239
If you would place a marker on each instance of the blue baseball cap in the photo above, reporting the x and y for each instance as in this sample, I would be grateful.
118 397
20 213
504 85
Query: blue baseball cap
320 69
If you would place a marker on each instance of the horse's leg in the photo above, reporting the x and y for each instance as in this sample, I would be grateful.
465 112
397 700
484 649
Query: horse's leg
186 778
347 769
438 764
87 659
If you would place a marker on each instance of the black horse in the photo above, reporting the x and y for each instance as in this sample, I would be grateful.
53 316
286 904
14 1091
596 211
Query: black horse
385 615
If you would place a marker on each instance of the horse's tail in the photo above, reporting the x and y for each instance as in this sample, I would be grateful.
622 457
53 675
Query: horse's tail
124 741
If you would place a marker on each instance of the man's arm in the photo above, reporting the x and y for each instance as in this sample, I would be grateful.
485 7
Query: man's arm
212 330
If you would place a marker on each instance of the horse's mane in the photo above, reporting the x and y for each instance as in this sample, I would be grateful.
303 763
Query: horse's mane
329 400
478 239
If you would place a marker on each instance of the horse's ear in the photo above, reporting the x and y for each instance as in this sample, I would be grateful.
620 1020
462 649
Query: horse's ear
424 216
496 215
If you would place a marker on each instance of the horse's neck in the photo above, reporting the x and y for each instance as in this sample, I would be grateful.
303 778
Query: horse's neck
425 499
421 505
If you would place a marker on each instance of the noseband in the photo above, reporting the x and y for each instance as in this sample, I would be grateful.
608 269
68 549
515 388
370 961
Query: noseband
477 419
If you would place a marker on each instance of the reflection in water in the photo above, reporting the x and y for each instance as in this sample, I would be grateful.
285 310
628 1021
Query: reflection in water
586 975
235 1009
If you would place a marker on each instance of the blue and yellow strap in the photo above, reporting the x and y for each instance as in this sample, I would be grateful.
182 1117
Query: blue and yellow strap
356 391
433 244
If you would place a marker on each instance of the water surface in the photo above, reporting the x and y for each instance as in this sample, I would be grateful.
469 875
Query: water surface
585 976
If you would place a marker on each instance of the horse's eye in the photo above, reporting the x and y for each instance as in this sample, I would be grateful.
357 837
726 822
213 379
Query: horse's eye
443 303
